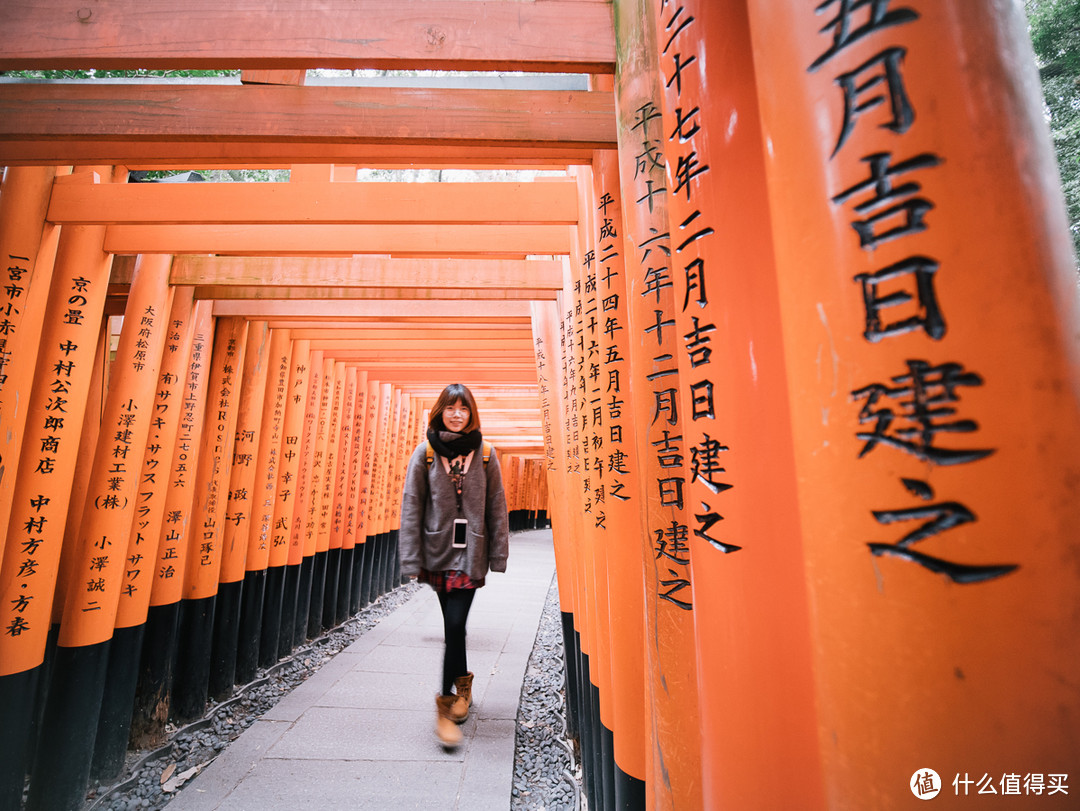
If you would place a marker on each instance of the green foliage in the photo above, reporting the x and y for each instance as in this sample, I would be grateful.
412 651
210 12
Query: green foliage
1055 35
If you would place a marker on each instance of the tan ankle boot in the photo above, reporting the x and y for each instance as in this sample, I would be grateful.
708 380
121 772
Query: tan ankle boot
445 727
463 698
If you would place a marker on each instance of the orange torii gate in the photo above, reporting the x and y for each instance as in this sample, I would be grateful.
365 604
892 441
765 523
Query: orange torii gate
758 337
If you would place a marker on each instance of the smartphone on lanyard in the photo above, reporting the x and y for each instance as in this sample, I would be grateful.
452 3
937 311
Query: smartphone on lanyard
460 527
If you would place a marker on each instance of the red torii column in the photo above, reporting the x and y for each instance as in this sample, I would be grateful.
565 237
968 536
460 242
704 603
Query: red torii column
159 502
204 537
101 556
235 635
42 488
754 675
622 490
25 238
929 304
266 557
671 686
286 498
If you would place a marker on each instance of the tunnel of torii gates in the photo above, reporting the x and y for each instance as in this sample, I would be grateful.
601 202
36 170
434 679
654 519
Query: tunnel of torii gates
786 352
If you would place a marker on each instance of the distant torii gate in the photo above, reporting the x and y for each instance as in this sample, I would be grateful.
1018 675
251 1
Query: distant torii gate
793 345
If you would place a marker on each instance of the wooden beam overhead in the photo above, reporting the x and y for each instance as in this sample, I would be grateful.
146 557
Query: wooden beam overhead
555 35
379 310
127 115
493 203
366 271
515 241
234 154
364 294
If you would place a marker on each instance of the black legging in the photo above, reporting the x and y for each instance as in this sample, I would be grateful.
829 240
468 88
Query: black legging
455 610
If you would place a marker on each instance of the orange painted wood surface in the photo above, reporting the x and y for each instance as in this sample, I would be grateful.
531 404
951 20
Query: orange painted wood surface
23 238
379 294
42 490
673 726
366 271
150 515
240 503
554 35
345 468
452 203
621 507
299 535
172 556
324 240
931 321
292 429
107 556
205 538
408 310
261 550
755 673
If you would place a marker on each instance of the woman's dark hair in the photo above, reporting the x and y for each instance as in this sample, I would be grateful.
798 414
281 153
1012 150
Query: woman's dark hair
454 393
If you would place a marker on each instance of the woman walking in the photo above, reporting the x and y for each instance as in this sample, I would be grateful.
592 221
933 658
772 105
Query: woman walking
454 529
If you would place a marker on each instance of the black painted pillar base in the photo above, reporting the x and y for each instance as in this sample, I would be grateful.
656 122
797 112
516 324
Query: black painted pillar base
114 720
303 601
18 699
154 684
223 645
356 589
344 587
378 575
288 610
61 767
590 746
395 557
570 659
607 754
330 588
629 791
369 570
315 602
251 618
270 627
194 645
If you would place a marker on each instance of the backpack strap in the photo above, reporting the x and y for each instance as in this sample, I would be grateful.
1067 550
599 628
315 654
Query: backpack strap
429 452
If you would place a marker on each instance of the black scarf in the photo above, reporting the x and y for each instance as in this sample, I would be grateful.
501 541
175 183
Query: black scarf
450 444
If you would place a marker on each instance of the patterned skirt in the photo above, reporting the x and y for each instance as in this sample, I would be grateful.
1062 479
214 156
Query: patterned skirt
448 580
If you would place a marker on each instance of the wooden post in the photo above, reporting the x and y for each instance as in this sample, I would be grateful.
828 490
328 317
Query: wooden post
24 236
236 630
325 545
263 550
354 530
755 675
622 515
42 486
313 540
340 537
77 685
204 537
303 543
182 386
671 686
127 644
928 297
286 499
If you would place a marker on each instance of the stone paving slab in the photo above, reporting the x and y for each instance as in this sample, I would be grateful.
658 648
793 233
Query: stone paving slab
359 734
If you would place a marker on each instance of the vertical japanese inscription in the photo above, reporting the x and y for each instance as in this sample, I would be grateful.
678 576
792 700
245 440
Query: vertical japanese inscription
915 412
